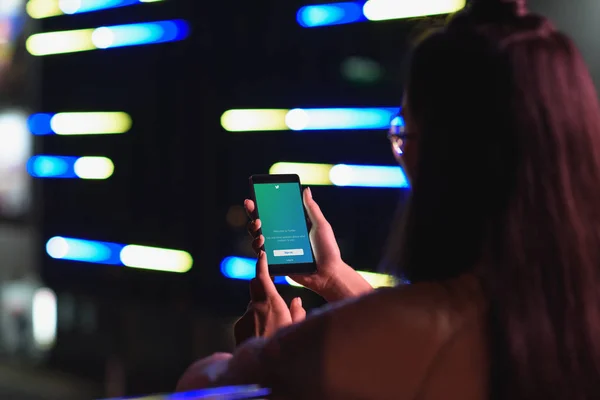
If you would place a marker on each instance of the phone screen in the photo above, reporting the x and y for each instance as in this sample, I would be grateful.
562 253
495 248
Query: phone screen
283 221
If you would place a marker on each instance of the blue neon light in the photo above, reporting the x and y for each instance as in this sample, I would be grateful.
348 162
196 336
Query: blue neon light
331 14
230 392
52 167
90 251
39 124
244 269
397 121
85 6
309 119
140 34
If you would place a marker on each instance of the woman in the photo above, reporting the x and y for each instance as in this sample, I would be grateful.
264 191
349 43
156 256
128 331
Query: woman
501 239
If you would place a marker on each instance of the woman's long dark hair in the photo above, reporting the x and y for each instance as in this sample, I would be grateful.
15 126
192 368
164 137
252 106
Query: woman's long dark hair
508 187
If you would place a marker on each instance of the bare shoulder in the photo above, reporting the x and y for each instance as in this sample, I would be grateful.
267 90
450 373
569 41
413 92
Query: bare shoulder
380 344
383 343
441 306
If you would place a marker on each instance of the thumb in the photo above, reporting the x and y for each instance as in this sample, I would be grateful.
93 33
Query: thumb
297 312
312 208
262 287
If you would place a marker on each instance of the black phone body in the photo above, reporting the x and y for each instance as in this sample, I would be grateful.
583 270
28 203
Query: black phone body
278 201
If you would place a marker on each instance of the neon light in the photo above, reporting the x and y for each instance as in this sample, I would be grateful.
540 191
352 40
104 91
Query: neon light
90 251
330 14
132 256
44 318
42 44
40 124
244 269
65 167
368 176
374 10
156 259
81 123
43 8
310 174
343 175
381 10
107 37
222 392
254 120
397 121
322 119
51 167
93 168
308 119
375 280
38 9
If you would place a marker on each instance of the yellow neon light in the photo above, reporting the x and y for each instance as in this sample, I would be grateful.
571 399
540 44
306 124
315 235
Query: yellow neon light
90 123
374 279
254 120
310 174
39 9
42 44
94 168
43 8
156 259
380 10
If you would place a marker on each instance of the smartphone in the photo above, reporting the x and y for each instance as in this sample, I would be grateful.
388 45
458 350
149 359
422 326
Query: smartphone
284 224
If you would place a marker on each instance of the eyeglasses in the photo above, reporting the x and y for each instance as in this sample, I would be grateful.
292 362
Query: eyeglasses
397 134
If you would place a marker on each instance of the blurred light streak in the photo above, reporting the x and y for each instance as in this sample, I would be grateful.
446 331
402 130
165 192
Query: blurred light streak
107 37
344 175
44 166
93 168
374 176
310 174
38 9
381 10
222 392
375 280
330 14
43 8
319 15
308 119
42 44
90 251
15 141
132 256
156 259
44 318
254 120
244 269
80 123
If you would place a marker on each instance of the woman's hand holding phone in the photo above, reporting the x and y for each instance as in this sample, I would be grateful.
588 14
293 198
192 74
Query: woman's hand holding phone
267 312
334 280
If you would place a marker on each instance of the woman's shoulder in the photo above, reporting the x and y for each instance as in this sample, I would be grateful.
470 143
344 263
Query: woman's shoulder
444 305
360 348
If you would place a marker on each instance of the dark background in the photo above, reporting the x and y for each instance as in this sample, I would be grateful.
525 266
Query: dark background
178 173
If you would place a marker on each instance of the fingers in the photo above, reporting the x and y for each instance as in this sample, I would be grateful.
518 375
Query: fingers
258 243
254 227
262 287
250 208
297 311
312 208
